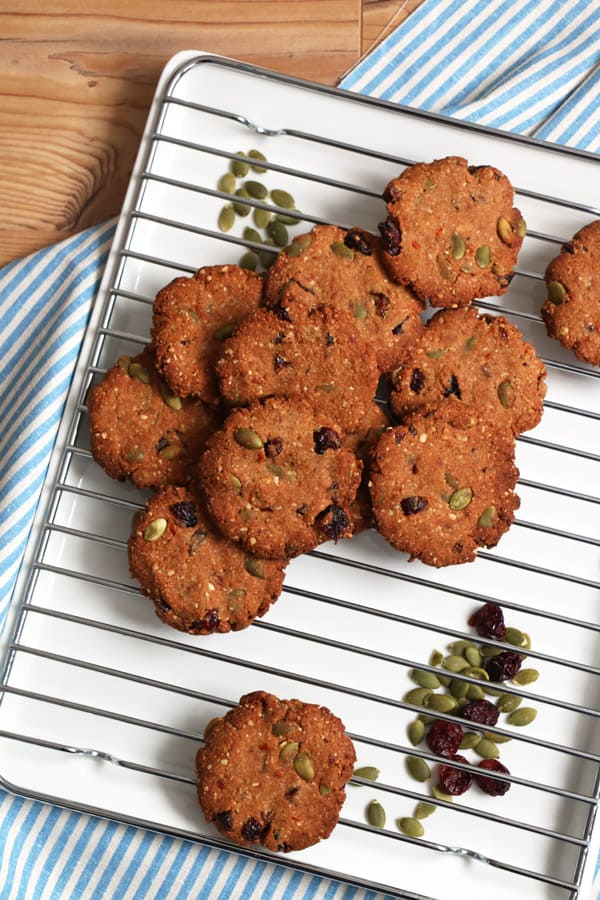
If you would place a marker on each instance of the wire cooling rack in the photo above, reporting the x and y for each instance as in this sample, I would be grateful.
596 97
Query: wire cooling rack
103 707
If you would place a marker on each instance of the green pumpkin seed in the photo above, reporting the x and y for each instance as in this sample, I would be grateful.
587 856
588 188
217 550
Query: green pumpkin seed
444 268
226 218
459 689
299 245
523 716
193 315
496 738
123 362
445 680
155 529
476 672
324 789
282 199
256 154
490 691
303 766
486 749
458 246
514 636
437 354
242 209
251 234
267 258
289 751
521 228
370 773
281 728
439 794
172 401
254 567
359 310
470 740
487 518
417 696
287 220
507 703
443 703
526 676
340 249
416 732
429 184
526 641
261 217
461 498
423 810
455 663
488 650
459 647
137 370
474 692
225 331
483 256
436 658
171 451
504 229
226 183
425 719
235 483
376 814
135 455
425 679
255 189
278 232
248 261
248 438
418 768
556 292
239 168
473 656
410 826
469 344
506 394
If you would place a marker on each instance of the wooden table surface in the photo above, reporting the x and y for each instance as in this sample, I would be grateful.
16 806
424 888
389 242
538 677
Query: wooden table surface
77 78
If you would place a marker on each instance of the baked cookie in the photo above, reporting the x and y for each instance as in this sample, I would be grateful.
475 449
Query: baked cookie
442 484
190 320
140 430
199 582
361 443
336 267
452 233
572 309
273 772
314 353
482 360
278 480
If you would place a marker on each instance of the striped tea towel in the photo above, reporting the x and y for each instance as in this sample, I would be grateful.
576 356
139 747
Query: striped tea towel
530 66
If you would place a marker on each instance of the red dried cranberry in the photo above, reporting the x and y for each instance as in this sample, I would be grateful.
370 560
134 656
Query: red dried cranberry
503 666
481 711
382 301
455 781
208 623
444 737
326 439
253 830
273 447
488 621
399 328
356 240
333 521
493 786
412 505
224 820
185 513
391 237
417 381
282 312
279 362
453 388
389 194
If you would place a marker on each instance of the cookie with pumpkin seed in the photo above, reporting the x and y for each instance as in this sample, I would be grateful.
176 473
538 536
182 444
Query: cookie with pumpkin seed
278 480
316 353
452 233
571 311
442 484
482 360
273 772
199 582
343 268
192 317
140 430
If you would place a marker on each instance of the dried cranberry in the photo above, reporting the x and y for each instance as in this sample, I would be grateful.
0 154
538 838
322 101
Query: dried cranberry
481 711
329 339
412 505
391 236
273 447
326 439
382 301
417 381
224 820
333 521
504 666
356 240
399 328
282 312
444 737
455 781
279 337
163 605
208 623
492 786
453 388
389 194
253 830
488 621
279 362
291 792
185 513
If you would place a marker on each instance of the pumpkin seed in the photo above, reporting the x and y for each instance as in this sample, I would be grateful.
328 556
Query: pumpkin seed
248 261
226 183
359 310
135 455
155 529
483 256
523 716
556 292
123 362
506 394
376 814
470 740
370 773
287 220
425 719
242 209
455 663
428 184
507 703
278 232
459 689
137 370
251 234
504 229
490 691
256 154
239 168
425 679
289 751
299 245
418 768
487 749
525 676
459 647
254 567
192 314
423 810
267 258
255 189
526 641
436 658
474 692
521 228
458 246
261 217
443 703
476 672
225 331
487 517
445 680
444 268
235 483
417 696
439 794
170 398
488 650
324 789
461 498
436 354
282 199
248 438
410 826
171 451
279 729
469 344
497 738
226 218
416 732
303 766
514 636
340 249
473 656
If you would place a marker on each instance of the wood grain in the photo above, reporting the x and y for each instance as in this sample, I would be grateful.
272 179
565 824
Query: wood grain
382 16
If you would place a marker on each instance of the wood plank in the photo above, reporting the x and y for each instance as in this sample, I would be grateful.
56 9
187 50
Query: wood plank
382 16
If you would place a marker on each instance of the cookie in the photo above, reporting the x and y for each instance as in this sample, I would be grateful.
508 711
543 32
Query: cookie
572 309
314 353
442 485
192 317
278 480
452 233
199 582
273 772
336 267
361 443
482 360
142 431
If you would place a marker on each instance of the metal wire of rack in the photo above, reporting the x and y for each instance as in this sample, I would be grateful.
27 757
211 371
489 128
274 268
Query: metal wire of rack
61 545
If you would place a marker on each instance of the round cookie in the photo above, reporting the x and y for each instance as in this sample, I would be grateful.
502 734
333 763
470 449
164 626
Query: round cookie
442 485
278 480
199 582
452 233
273 772
362 443
482 360
192 317
336 267
572 309
314 353
140 430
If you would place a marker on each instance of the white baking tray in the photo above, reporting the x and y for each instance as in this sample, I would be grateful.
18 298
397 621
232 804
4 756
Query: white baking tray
92 672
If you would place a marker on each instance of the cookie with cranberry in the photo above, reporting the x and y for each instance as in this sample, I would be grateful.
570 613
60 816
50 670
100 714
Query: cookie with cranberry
199 582
362 443
442 484
452 233
273 772
313 353
278 480
192 317
344 269
572 309
139 429
482 360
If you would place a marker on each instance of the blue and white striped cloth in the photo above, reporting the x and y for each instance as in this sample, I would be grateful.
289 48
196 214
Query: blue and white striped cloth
530 66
